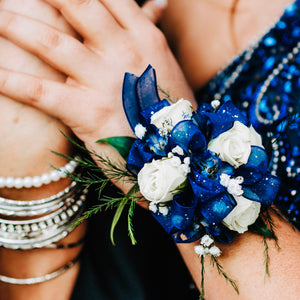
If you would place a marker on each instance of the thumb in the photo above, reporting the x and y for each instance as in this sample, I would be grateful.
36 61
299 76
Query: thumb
154 9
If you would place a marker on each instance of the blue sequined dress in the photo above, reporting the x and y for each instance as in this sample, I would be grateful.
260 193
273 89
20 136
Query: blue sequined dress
264 82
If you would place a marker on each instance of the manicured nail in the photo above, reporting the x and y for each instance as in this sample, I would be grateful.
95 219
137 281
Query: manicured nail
161 3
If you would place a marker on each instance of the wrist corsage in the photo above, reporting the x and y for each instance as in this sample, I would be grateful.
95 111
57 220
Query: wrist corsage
205 172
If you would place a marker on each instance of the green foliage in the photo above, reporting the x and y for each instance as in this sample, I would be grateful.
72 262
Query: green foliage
167 95
202 292
260 227
266 227
121 143
267 257
215 262
93 175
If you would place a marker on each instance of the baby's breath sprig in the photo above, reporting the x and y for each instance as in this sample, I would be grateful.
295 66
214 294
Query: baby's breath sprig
208 247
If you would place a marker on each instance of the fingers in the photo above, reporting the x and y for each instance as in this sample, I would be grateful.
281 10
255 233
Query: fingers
154 9
127 13
56 48
89 18
54 98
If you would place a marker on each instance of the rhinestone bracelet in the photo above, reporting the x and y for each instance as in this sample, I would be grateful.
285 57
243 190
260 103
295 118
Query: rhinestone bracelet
20 208
43 231
38 181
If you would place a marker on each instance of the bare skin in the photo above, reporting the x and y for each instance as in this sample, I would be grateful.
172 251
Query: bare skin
200 33
243 259
26 141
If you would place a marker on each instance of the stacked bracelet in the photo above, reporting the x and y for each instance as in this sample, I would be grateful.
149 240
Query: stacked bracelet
46 230
38 181
30 208
41 223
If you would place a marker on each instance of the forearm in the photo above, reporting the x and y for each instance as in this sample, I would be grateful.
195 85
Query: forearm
27 138
244 261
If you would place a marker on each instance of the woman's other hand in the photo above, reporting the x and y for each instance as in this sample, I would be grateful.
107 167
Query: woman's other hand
117 37
26 133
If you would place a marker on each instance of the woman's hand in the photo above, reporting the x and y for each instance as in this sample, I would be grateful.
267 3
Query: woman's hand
117 38
26 133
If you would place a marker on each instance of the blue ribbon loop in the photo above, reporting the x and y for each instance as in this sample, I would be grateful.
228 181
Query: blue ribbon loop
259 185
222 119
188 136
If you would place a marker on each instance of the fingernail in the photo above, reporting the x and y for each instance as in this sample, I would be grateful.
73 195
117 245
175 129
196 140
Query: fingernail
161 3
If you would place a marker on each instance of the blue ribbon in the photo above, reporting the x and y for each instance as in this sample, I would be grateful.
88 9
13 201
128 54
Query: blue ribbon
221 119
138 94
259 185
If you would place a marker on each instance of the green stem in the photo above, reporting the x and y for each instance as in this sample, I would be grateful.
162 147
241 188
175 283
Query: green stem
202 292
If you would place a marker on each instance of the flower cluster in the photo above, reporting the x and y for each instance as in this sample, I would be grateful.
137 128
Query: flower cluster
204 172
207 247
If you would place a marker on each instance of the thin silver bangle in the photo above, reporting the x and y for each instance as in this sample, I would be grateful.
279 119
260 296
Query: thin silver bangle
40 279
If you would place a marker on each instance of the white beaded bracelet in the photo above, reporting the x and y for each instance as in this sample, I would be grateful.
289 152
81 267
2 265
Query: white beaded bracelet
38 181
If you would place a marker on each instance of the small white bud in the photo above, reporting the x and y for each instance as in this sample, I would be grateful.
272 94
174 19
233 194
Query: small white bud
153 207
140 131
214 251
163 210
206 240
215 104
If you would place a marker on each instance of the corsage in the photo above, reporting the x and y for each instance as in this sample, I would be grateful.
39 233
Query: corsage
205 171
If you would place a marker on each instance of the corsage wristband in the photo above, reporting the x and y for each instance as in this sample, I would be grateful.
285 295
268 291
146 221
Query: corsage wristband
205 172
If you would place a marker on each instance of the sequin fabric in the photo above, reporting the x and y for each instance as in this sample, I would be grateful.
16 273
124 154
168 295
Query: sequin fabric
264 83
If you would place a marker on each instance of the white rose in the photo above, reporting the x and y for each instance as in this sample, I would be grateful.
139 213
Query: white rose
244 214
169 116
159 179
234 145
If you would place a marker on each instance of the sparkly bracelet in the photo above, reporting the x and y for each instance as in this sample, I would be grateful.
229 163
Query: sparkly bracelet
20 208
38 181
40 279
44 231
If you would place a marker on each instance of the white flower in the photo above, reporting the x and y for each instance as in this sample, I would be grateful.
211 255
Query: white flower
244 214
169 116
153 207
139 131
175 161
224 179
234 145
187 160
178 150
201 251
170 155
206 240
215 104
214 251
163 210
185 168
159 179
233 184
